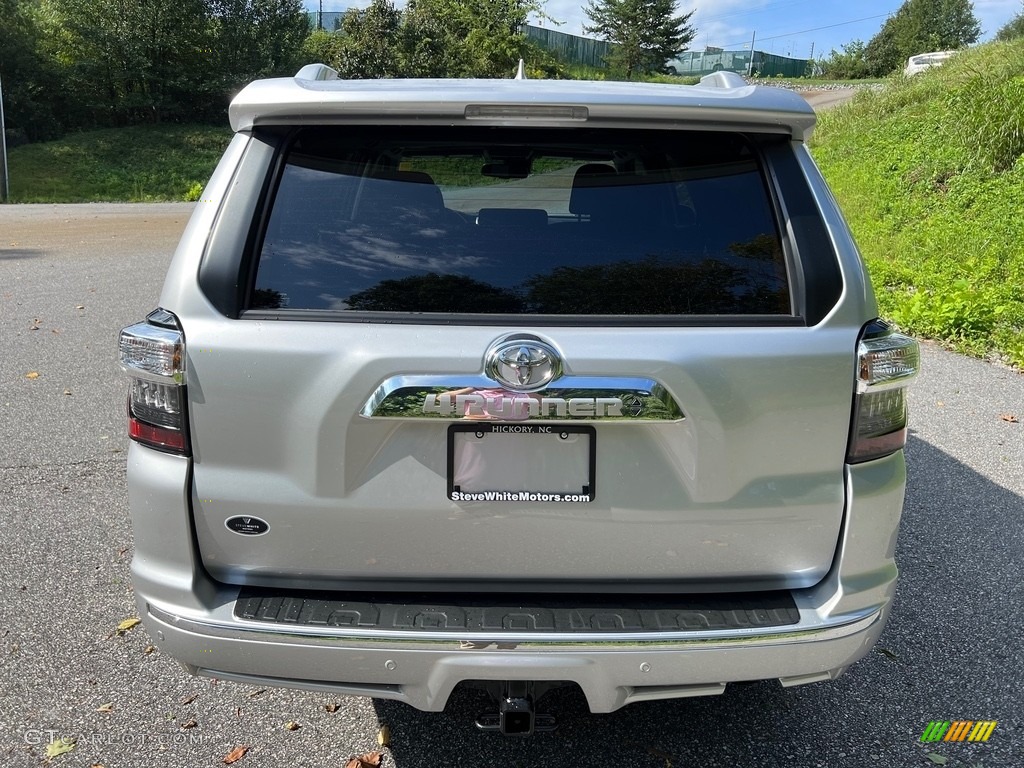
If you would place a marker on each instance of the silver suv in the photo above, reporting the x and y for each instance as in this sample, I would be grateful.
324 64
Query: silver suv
516 384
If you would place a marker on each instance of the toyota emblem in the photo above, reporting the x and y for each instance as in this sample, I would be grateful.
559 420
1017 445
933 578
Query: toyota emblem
522 364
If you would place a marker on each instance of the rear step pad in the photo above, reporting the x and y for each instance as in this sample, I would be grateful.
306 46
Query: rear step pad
459 612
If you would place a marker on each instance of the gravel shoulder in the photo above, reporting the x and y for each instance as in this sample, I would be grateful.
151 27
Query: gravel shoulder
821 100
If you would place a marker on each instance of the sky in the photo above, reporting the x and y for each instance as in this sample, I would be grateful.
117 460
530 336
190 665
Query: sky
784 27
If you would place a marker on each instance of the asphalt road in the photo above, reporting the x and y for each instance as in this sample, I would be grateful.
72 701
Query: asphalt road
71 276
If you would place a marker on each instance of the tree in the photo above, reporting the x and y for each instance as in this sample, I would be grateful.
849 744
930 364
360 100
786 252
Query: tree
29 79
430 38
645 33
323 47
465 38
123 62
920 26
369 42
1013 29
130 61
256 38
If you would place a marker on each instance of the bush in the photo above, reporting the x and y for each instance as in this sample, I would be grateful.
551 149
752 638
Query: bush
846 65
195 192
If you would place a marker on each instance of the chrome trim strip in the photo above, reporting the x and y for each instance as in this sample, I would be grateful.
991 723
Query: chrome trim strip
810 628
570 398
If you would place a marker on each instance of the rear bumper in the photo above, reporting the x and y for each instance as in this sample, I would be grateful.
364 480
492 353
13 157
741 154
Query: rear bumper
192 619
424 673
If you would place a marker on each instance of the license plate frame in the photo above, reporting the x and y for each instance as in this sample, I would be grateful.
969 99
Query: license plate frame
586 454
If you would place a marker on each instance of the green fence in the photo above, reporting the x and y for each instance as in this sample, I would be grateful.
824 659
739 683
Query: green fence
329 20
770 65
570 48
765 64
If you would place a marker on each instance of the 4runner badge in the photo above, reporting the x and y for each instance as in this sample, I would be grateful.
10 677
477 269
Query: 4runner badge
523 379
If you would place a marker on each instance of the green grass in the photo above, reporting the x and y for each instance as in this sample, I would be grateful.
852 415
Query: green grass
140 164
930 175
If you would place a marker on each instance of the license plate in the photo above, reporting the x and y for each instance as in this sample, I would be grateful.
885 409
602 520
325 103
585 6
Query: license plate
531 463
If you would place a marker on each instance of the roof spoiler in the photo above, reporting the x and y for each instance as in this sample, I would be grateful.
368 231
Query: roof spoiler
316 72
723 79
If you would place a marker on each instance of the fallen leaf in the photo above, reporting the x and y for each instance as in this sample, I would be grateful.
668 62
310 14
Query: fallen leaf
67 391
148 649
384 736
369 760
108 707
937 758
887 653
190 699
59 747
188 724
97 765
35 325
1012 418
254 694
332 708
79 306
291 725
32 375
128 625
655 752
235 755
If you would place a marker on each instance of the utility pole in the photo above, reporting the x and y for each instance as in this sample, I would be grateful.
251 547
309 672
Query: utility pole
320 16
4 187
750 66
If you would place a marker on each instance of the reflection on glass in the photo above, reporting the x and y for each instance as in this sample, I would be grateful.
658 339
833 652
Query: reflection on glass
647 226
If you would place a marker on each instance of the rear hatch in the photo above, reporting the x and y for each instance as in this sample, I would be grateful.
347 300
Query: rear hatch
497 358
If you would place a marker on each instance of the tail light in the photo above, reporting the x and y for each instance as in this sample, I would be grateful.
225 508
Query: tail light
153 355
886 364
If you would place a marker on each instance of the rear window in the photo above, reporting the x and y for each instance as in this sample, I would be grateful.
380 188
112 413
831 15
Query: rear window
521 222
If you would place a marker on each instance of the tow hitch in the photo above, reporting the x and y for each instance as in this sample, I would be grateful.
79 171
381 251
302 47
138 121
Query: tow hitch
516 715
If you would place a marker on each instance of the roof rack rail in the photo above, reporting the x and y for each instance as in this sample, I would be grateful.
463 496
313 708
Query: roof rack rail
316 72
723 79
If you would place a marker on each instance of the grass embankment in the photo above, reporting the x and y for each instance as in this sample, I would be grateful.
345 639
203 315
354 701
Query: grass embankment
140 164
930 175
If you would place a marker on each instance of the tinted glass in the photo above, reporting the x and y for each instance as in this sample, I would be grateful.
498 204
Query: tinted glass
588 222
